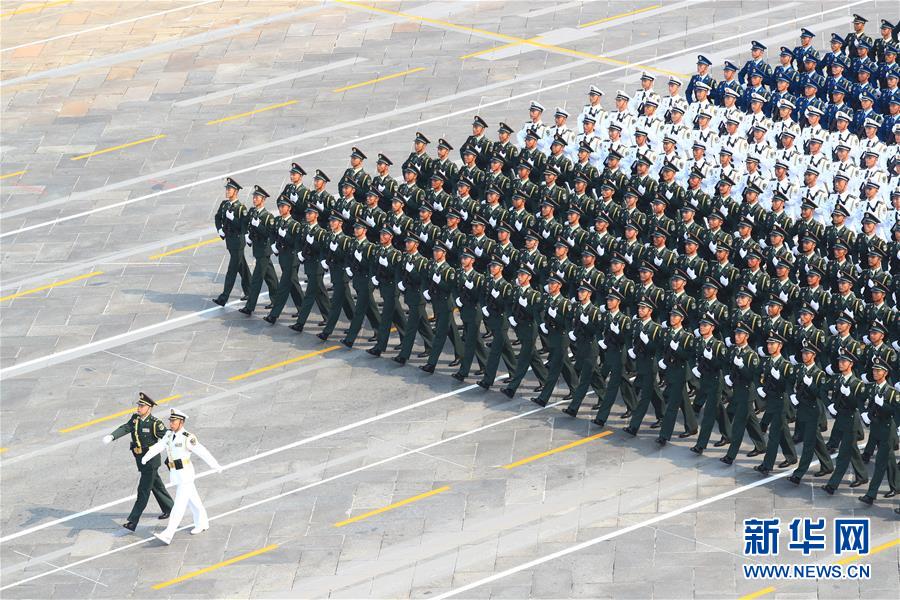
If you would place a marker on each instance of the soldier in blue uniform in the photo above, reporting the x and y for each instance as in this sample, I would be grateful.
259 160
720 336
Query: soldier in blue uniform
863 47
836 105
837 51
890 92
702 74
730 81
888 64
786 70
804 49
810 98
866 111
852 40
756 63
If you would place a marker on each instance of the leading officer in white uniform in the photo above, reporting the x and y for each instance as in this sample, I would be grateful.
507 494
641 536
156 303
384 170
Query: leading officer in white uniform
179 444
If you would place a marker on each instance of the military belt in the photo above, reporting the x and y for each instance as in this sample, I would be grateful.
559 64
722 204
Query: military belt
178 463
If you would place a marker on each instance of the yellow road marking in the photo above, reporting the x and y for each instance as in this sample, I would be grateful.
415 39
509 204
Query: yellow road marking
281 364
376 80
568 446
224 563
20 11
843 561
614 17
2 450
495 48
505 37
119 147
127 411
51 285
378 511
252 112
8 175
758 593
185 248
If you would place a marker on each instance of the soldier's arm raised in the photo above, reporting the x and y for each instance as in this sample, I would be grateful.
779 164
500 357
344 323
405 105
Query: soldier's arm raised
200 450
118 432
155 449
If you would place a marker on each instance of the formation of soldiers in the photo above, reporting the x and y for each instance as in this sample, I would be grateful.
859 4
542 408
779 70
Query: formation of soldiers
730 254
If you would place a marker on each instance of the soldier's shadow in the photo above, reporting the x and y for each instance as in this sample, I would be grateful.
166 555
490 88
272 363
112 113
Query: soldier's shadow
97 521
180 301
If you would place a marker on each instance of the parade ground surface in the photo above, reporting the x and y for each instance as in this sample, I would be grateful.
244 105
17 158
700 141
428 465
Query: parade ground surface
344 475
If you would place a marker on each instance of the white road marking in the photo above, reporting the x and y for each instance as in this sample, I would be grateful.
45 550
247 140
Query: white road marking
107 26
358 122
62 568
232 91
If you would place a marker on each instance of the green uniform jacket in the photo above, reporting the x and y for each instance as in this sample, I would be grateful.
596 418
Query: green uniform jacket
229 220
143 433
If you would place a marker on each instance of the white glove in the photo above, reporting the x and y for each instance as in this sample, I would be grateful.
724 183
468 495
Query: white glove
602 344
370 221
485 311
760 351
792 360
300 256
673 345
866 419
807 380
230 215
512 321
348 271
543 329
345 213
409 267
374 281
601 250
221 233
775 373
282 231
438 206
739 362
629 258
310 239
449 244
879 400
895 345
383 261
545 234
426 294
458 303
274 249
401 286
523 302
751 286
478 251
357 255
728 342
505 259
436 278
832 329
761 392
864 378
583 318
465 215
324 264
614 327
832 411
662 364
829 370
247 239
814 304
794 400
697 332
696 372
333 246
572 336
707 354
691 273
644 337
631 354
664 325
783 296
728 381
712 247
657 261
469 285
255 221
108 438
552 312
845 390
723 280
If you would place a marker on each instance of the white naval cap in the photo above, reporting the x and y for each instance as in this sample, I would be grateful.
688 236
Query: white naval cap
175 413
561 112
622 94
535 105
595 90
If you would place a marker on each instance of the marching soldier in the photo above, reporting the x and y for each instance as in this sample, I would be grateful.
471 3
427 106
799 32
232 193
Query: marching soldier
179 445
441 279
707 364
336 258
229 223
296 192
410 193
384 278
358 265
469 285
614 335
554 325
524 313
311 253
810 389
848 394
586 326
320 199
355 173
496 296
384 183
284 243
258 228
347 206
144 430
882 413
643 347
419 159
479 143
742 374
446 167
777 376
676 348
411 279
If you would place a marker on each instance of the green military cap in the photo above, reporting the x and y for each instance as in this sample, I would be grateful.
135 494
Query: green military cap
145 399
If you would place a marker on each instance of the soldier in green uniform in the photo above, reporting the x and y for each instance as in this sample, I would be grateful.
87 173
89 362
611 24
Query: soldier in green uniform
707 365
384 183
876 350
229 223
384 277
742 369
496 294
311 253
296 192
419 159
554 325
479 142
883 417
335 257
144 430
614 335
355 173
524 313
847 396
320 199
357 267
676 347
586 326
777 377
346 205
643 347
810 389
441 279
258 228
446 167
284 243
469 285
411 275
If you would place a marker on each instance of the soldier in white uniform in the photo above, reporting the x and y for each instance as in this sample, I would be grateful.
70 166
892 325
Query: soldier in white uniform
559 128
623 117
179 444
636 104
595 110
535 111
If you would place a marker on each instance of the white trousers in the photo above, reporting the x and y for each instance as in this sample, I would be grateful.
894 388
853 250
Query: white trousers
186 495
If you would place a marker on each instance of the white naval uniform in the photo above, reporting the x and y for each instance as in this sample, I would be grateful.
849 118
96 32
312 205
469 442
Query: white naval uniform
179 446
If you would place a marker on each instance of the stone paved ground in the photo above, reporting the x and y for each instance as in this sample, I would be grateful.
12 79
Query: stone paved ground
338 434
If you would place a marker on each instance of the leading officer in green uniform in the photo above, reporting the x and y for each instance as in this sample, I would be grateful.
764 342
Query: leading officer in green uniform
144 430
229 224
258 228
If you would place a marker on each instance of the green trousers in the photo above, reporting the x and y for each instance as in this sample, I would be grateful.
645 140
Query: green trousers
150 482
288 285
848 451
885 435
262 271
744 421
813 442
364 307
237 265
